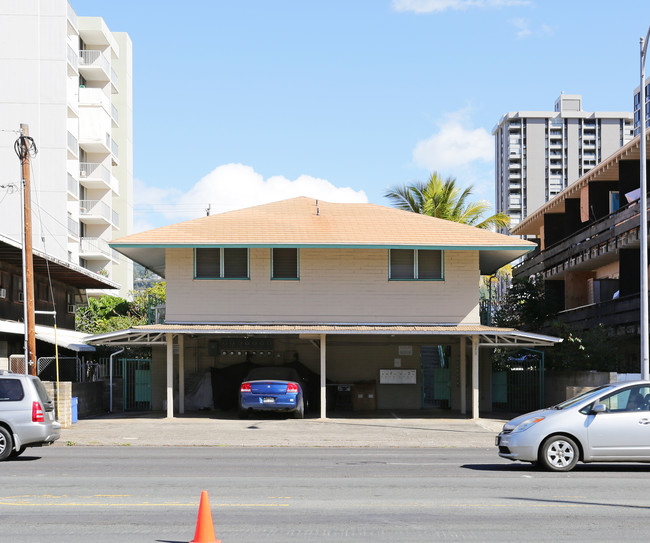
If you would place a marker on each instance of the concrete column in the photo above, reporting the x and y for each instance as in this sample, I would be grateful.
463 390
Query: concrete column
170 375
181 374
323 377
463 375
475 389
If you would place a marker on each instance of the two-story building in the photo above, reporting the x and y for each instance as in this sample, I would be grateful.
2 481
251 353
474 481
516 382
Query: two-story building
357 293
59 287
589 249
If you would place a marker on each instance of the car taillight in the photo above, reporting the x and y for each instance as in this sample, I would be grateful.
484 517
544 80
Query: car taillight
245 387
292 388
37 412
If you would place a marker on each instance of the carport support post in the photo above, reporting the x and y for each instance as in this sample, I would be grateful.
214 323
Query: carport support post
463 376
170 376
323 378
474 377
181 375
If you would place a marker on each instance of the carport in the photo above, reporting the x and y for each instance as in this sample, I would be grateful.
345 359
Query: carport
466 337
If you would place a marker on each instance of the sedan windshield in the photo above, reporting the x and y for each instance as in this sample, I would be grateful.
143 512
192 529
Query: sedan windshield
581 397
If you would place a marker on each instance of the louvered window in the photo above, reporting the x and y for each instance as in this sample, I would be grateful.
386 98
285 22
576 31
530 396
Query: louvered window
221 263
414 264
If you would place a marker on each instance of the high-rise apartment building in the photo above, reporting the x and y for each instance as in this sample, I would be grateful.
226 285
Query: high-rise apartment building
637 107
69 79
540 153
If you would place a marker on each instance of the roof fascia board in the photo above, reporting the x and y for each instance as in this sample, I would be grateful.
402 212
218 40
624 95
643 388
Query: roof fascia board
525 248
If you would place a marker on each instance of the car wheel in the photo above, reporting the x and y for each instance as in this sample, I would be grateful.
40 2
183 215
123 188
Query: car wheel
559 453
299 413
17 453
6 443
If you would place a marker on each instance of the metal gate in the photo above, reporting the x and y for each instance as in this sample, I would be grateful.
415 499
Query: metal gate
436 387
137 384
518 383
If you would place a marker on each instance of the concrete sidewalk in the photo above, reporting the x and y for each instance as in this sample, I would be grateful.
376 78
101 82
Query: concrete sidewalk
212 430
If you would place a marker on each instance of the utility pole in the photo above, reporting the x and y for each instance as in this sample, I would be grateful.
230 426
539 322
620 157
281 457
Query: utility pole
24 148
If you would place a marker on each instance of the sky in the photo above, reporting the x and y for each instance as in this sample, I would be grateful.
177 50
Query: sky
239 103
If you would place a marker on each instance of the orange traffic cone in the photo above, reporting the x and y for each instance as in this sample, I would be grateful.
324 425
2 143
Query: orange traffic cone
204 527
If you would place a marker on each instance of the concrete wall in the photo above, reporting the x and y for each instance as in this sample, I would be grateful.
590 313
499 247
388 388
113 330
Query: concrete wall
336 285
90 398
62 405
562 385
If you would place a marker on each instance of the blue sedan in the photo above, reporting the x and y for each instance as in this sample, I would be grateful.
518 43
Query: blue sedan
272 389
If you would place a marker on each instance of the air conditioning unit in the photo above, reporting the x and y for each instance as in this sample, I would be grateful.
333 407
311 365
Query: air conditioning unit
3 292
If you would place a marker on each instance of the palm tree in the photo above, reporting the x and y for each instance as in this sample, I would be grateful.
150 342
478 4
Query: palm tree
443 199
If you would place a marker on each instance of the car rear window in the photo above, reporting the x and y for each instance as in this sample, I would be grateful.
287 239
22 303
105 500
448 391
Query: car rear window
11 390
276 373
42 393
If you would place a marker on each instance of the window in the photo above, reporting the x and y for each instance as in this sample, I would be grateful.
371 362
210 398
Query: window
11 390
221 263
422 264
284 263
630 399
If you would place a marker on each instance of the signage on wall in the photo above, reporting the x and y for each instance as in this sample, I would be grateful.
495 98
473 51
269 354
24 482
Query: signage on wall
405 350
397 377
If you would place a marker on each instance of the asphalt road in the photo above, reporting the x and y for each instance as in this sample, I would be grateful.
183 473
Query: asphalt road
151 494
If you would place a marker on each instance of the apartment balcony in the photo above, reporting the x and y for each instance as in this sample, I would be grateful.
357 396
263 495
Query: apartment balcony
621 314
115 153
94 66
73 228
93 141
94 249
73 61
73 146
73 187
114 82
514 176
94 175
514 166
513 127
97 212
593 246
115 116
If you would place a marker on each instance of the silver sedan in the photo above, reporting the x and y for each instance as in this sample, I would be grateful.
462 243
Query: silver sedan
610 423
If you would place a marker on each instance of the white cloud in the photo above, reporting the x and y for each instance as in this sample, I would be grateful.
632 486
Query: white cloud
229 187
433 6
524 30
460 151
454 145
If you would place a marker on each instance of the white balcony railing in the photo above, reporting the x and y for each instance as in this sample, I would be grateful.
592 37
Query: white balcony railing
73 144
94 170
73 186
94 246
73 227
95 208
73 58
114 79
72 16
95 59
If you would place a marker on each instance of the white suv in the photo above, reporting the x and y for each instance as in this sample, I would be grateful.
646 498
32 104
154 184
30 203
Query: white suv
26 415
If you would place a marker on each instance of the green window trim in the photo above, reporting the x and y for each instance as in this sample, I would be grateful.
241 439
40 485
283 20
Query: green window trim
227 262
413 266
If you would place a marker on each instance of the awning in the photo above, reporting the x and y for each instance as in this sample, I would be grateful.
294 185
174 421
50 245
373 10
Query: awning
65 338
489 336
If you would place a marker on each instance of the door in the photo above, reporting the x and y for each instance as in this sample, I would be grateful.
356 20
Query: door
436 387
623 431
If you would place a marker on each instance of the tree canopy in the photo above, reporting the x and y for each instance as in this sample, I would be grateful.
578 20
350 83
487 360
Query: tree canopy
443 199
